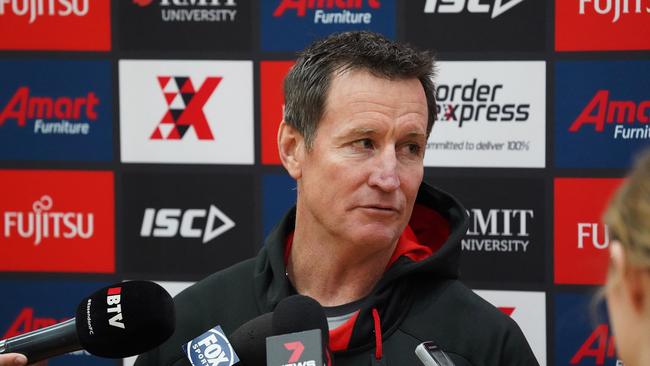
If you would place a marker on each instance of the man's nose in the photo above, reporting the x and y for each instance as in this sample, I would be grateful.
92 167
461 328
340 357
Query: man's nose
384 174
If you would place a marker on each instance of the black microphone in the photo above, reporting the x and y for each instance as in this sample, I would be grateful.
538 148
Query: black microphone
121 320
293 314
301 333
298 313
249 340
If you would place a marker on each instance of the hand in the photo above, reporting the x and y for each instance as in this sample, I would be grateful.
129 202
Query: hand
16 359
13 359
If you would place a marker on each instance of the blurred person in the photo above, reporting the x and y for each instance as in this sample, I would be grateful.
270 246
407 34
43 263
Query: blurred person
627 289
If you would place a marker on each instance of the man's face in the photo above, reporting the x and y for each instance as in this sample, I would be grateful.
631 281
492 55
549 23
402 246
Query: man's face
359 181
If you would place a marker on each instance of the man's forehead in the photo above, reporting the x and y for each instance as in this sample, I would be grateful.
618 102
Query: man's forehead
353 81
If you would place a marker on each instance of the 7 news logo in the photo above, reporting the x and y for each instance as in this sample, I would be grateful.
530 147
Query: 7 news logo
296 348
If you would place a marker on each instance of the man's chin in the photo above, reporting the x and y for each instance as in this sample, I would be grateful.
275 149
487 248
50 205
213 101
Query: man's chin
378 235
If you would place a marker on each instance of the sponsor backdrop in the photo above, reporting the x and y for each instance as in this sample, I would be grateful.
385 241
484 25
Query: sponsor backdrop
137 141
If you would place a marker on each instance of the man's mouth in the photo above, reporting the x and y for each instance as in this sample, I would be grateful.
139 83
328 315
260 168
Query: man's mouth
380 208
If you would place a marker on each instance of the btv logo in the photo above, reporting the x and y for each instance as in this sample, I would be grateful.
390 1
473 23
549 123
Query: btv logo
114 298
185 108
169 222
472 6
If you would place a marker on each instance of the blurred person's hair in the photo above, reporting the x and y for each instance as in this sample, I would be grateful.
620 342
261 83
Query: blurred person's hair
628 221
628 214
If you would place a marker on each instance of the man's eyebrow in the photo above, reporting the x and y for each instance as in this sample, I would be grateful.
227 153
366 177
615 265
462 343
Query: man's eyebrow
416 134
358 131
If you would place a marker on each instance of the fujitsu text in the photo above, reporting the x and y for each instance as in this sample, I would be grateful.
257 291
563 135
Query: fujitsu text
37 8
40 224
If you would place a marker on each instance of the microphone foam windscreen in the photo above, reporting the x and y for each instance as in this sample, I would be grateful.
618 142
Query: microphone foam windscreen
298 313
249 340
125 319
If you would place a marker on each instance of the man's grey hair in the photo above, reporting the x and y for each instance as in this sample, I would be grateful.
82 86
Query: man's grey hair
307 83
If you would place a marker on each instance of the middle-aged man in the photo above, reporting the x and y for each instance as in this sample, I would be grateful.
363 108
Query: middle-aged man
377 247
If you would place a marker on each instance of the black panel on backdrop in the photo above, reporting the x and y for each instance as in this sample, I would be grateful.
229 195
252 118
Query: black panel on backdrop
505 242
181 25
188 225
471 25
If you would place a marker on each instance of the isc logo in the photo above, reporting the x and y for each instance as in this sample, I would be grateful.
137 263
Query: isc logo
114 298
169 222
472 6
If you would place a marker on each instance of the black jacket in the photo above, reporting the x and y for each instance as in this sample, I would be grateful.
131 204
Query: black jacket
416 301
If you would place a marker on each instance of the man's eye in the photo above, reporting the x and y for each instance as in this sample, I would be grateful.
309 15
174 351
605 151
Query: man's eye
414 149
363 144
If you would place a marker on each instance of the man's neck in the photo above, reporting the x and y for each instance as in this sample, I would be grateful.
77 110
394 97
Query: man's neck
333 271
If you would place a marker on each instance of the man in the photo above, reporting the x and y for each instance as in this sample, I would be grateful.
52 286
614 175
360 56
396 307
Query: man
367 239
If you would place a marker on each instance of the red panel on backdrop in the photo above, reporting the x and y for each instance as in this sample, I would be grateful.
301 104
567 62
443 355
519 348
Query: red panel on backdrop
581 240
272 75
592 25
83 25
57 221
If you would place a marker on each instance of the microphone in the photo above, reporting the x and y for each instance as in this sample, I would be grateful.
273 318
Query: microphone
431 355
293 314
298 313
301 333
121 320
249 340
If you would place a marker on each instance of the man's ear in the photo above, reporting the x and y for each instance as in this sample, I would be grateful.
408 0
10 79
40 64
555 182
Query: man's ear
291 149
